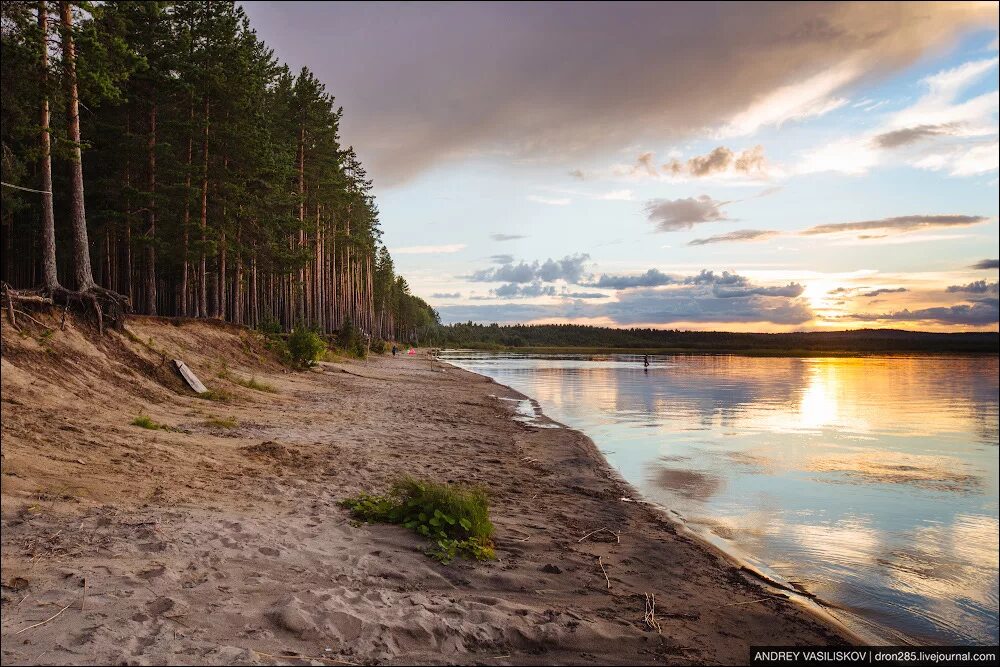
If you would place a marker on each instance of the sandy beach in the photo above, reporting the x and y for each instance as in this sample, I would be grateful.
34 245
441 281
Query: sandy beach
220 541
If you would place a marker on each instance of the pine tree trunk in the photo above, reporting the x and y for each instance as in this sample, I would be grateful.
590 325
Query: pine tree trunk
221 285
50 278
151 214
78 215
187 208
203 266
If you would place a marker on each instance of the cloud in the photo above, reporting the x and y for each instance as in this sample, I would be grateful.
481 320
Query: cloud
671 215
789 290
977 314
516 291
904 223
429 249
977 287
446 295
909 135
578 174
647 306
507 237
502 259
695 304
739 235
655 298
716 161
712 278
570 268
884 290
551 83
583 295
719 161
987 264
944 130
550 201
652 278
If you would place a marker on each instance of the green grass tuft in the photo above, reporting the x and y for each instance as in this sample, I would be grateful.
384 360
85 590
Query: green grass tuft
455 517
253 383
144 421
216 395
219 422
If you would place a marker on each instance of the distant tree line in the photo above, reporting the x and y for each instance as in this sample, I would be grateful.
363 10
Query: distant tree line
158 152
494 336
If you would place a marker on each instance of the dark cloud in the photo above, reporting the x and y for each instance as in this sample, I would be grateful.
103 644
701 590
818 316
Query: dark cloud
652 278
507 237
656 298
468 71
739 235
705 277
446 295
910 135
987 264
789 290
578 174
906 223
502 259
671 215
583 295
884 290
570 268
698 304
976 314
516 291
977 287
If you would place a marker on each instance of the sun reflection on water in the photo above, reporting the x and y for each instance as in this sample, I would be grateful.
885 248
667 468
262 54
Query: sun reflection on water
872 481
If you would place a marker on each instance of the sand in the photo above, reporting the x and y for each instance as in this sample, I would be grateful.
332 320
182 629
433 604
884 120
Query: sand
212 545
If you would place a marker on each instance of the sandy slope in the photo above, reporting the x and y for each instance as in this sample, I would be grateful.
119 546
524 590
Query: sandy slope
214 545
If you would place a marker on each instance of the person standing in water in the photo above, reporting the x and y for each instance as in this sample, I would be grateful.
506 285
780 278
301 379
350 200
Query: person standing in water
645 361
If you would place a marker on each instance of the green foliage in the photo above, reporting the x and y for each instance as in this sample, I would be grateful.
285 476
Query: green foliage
157 80
455 518
305 346
347 335
379 346
144 421
269 326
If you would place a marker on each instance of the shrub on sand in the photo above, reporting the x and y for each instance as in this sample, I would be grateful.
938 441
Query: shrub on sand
456 517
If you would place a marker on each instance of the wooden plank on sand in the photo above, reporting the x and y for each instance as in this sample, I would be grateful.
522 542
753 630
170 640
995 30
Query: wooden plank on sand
190 377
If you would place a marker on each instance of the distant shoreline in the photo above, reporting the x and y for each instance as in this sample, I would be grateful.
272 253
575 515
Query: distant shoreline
726 351
572 338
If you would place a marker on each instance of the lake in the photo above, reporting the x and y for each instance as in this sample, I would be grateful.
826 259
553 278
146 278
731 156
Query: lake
870 482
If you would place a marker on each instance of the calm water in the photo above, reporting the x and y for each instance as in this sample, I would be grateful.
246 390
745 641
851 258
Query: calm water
872 482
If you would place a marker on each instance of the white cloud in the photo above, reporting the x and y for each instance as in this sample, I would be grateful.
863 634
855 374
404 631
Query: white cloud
806 99
939 131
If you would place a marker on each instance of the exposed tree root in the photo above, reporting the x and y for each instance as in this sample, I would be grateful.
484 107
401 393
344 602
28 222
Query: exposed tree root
104 305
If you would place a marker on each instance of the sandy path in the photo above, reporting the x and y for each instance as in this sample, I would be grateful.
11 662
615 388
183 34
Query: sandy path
196 549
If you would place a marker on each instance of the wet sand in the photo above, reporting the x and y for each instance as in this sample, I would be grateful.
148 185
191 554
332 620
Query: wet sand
212 545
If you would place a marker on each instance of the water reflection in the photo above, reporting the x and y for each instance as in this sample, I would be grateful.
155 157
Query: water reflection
871 481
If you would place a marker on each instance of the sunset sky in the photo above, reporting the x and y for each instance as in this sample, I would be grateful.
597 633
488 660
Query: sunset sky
765 167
